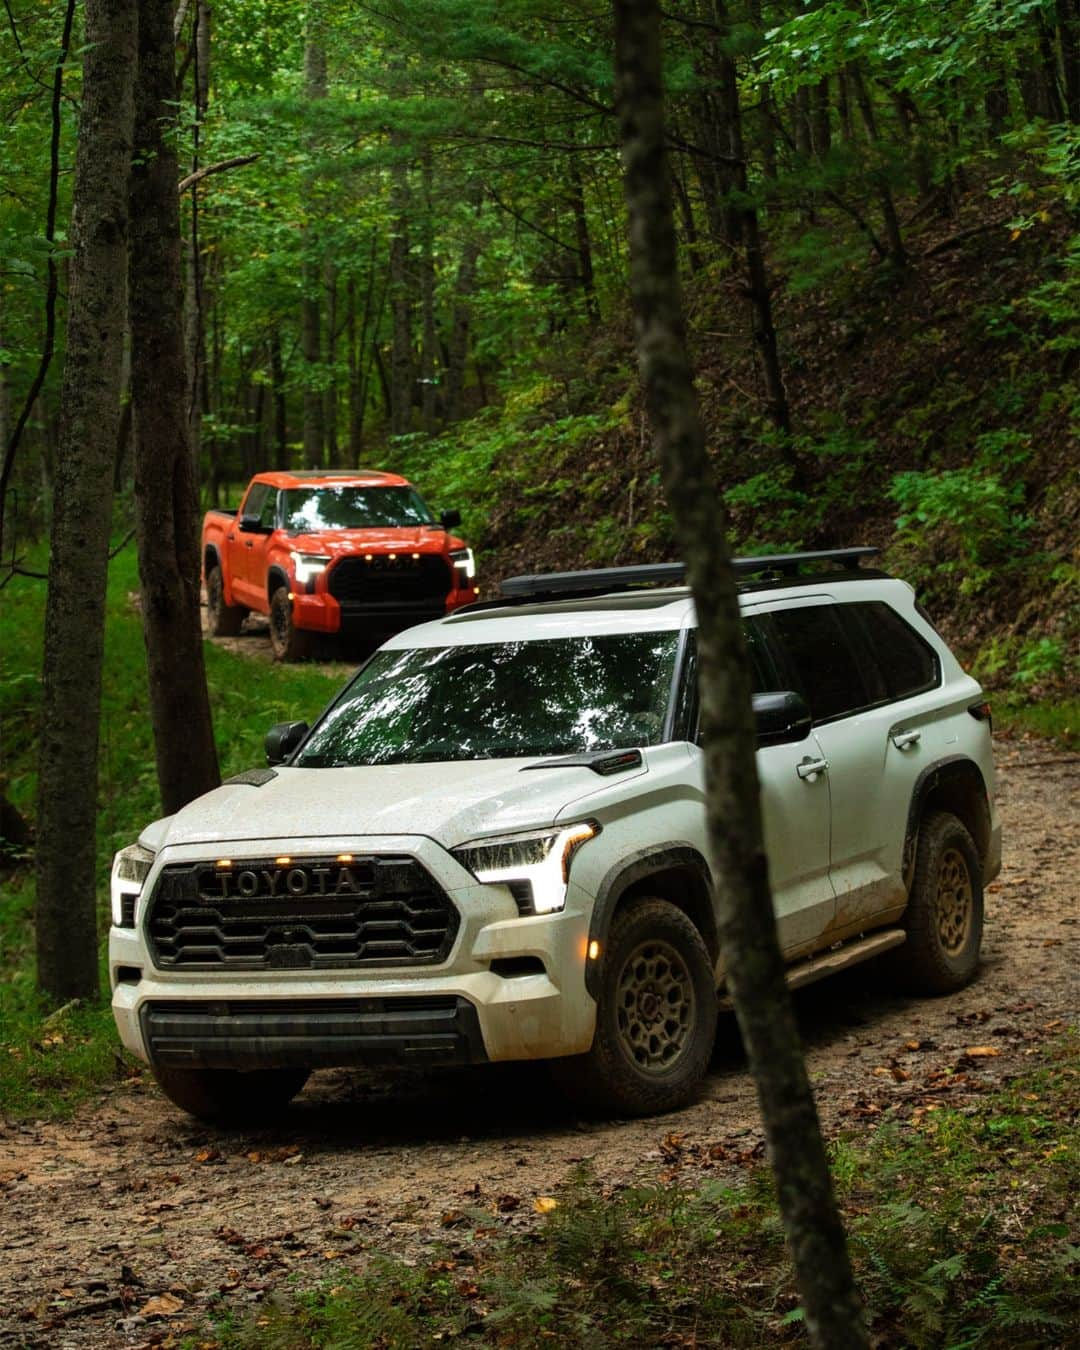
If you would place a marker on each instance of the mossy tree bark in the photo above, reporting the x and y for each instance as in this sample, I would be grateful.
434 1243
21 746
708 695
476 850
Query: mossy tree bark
67 952
747 927
166 503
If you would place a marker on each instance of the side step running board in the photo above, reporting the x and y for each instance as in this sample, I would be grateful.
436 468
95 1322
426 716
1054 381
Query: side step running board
830 962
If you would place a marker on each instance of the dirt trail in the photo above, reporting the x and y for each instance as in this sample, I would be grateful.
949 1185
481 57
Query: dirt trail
133 1204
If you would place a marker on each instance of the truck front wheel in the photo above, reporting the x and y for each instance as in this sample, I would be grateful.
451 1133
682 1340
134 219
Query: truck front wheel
288 642
229 1096
221 619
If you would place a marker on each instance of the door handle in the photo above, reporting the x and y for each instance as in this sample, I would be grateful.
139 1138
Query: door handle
249 543
809 769
230 537
904 740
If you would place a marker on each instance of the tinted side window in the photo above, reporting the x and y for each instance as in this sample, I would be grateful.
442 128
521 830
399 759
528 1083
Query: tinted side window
907 663
763 675
268 515
822 660
254 501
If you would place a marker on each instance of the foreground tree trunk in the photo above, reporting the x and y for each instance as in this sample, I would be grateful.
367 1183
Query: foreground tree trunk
166 506
752 960
67 953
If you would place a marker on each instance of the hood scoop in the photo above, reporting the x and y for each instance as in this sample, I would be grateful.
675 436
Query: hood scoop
603 762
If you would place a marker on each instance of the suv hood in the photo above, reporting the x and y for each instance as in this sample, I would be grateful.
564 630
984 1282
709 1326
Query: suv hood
450 803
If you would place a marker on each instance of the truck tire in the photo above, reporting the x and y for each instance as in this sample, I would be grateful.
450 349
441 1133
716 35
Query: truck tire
944 916
222 620
229 1096
287 642
655 1019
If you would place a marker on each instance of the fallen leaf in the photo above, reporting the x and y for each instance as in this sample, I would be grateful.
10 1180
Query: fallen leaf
982 1051
544 1204
161 1305
506 1204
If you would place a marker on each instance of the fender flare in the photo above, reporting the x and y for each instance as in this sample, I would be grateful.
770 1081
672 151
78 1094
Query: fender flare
934 776
275 577
628 872
211 551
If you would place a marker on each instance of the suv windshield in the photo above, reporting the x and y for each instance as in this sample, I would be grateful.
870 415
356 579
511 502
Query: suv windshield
352 508
499 701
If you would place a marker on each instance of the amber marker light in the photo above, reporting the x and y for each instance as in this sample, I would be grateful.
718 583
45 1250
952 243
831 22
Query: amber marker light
344 857
416 557
393 557
594 950
224 864
282 862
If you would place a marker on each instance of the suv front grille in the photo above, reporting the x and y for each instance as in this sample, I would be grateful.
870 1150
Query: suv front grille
311 914
382 578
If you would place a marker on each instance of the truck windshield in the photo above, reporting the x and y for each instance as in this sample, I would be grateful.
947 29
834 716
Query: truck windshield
305 510
552 697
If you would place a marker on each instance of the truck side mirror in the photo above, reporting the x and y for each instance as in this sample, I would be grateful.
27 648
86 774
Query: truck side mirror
282 739
781 718
252 525
450 519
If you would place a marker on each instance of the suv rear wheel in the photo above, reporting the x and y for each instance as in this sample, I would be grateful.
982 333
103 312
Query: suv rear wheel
944 918
287 642
655 1019
227 1095
222 620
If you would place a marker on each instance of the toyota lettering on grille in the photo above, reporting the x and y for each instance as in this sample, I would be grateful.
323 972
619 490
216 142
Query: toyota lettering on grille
252 883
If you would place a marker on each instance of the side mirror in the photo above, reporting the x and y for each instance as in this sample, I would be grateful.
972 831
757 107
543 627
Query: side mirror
282 739
781 718
450 519
252 525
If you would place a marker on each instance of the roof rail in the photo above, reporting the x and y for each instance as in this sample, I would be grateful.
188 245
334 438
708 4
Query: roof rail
604 580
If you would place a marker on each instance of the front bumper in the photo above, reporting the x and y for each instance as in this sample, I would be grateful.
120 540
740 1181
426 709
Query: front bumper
319 612
511 987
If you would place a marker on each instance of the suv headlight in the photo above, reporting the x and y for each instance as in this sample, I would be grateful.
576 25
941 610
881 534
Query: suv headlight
308 565
130 868
536 867
465 564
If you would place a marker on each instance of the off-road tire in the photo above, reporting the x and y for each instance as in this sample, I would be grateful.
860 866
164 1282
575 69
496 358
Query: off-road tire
944 916
227 1096
222 620
287 642
657 998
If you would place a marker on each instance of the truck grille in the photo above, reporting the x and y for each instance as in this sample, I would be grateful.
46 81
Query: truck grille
311 914
381 578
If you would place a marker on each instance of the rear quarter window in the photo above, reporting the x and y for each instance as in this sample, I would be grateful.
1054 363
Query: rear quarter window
823 662
908 664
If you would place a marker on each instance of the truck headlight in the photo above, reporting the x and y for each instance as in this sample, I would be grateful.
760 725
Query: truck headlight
308 565
464 564
536 867
130 868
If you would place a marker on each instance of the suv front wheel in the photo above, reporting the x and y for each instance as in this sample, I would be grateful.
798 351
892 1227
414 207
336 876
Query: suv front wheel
944 917
228 1096
655 1018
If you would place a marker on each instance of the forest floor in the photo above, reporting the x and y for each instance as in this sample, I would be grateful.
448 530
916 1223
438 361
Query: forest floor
130 1224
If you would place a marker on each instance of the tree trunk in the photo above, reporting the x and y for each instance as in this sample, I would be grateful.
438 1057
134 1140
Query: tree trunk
166 504
281 417
330 277
751 951
464 285
1068 17
582 240
401 362
897 252
315 87
427 302
67 951
194 301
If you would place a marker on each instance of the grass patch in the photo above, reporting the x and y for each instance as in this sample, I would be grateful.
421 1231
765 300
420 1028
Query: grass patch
1056 720
49 1063
956 1218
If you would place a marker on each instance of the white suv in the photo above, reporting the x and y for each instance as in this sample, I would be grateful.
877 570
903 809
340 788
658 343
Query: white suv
491 845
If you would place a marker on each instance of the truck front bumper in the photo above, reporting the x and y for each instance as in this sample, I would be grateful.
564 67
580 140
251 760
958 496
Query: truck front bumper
322 613
511 988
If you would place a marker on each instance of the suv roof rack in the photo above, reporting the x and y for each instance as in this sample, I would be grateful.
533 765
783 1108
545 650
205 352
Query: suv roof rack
604 580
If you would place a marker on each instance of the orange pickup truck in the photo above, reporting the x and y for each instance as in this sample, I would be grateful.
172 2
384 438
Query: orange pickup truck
323 552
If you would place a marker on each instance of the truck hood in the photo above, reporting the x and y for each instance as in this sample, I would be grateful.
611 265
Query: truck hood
381 539
451 803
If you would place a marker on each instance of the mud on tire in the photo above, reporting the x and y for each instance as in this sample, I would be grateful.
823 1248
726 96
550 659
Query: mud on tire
222 620
656 1016
944 917
228 1096
287 642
